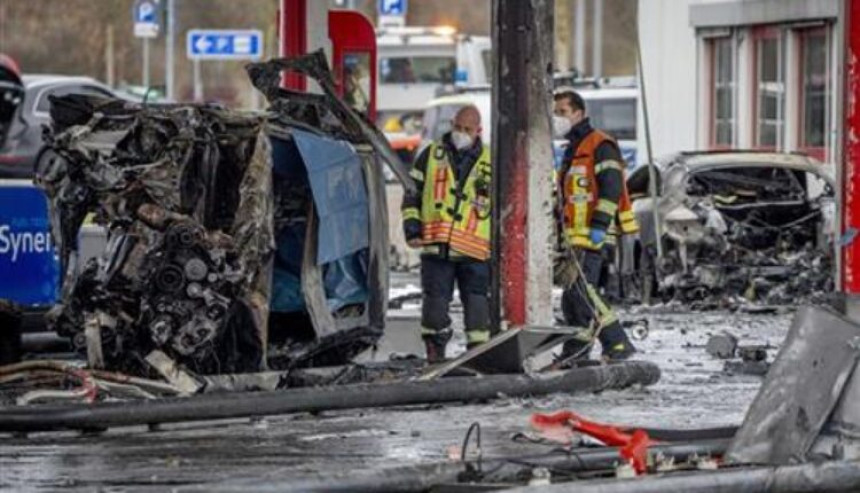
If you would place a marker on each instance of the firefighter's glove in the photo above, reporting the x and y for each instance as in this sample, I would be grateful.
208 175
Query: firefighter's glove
597 236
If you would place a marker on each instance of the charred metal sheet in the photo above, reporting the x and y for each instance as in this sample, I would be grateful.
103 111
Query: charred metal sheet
339 279
508 352
802 388
327 112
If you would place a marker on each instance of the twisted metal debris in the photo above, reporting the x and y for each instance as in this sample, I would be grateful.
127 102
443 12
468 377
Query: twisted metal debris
185 194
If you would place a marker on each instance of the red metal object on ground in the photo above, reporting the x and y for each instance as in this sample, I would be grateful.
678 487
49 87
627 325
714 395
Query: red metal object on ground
850 185
633 446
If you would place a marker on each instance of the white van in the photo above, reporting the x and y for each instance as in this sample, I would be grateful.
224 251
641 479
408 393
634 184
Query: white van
418 63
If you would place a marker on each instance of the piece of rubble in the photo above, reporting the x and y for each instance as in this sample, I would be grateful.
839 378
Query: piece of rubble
722 346
753 353
746 367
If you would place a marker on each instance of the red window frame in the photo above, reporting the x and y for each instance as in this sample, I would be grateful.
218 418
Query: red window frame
758 34
818 152
711 48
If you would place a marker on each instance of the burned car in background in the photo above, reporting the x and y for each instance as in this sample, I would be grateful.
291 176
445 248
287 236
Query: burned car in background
755 226
236 241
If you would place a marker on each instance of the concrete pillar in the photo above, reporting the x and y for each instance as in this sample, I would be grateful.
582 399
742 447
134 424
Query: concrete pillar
522 157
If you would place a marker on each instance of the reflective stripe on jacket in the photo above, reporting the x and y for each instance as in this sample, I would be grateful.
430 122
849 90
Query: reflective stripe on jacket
456 214
580 197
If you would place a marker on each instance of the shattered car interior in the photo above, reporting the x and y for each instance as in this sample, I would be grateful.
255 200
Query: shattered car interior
237 241
754 226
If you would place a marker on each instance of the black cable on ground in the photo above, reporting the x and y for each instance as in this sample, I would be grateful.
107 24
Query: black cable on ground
247 404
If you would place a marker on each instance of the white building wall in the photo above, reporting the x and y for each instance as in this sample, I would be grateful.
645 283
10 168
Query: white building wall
669 50
676 65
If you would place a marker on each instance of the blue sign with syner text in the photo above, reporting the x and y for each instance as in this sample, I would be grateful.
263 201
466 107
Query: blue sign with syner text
29 269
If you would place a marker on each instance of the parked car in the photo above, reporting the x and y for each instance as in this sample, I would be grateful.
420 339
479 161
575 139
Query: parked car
760 225
22 139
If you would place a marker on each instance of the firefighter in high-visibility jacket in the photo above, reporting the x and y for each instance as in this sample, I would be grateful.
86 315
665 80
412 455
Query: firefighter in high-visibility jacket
592 205
449 219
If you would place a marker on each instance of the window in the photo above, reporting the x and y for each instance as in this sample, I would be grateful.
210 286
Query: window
814 91
411 70
487 57
617 117
769 88
44 105
437 120
722 92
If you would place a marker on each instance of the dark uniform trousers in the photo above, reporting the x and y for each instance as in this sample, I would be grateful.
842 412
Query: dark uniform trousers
580 307
472 278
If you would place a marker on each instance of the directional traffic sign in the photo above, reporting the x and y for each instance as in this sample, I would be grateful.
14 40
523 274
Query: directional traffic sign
392 7
146 15
218 44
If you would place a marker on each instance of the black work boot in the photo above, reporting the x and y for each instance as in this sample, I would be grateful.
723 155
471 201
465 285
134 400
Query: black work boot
616 344
435 350
435 344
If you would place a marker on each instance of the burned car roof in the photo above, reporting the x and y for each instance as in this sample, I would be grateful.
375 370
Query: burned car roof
703 160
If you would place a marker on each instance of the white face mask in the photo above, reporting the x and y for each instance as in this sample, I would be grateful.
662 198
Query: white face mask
461 140
560 126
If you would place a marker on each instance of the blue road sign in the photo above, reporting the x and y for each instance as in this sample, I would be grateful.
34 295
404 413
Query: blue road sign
29 271
392 7
216 44
146 15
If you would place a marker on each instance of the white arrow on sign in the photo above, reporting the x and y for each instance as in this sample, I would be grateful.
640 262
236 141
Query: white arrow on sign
202 44
223 44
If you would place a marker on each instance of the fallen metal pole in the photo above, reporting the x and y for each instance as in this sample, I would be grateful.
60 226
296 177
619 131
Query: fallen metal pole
826 477
225 406
426 476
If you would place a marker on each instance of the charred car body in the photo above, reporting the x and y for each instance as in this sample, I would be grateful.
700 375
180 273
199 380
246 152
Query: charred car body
236 241
757 225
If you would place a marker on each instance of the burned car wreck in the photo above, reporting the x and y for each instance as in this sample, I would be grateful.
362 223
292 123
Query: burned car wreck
734 226
237 241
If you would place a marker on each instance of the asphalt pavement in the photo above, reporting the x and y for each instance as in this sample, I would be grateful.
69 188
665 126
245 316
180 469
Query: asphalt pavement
694 392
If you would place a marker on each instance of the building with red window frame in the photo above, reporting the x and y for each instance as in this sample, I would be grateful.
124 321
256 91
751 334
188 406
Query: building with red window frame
745 74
